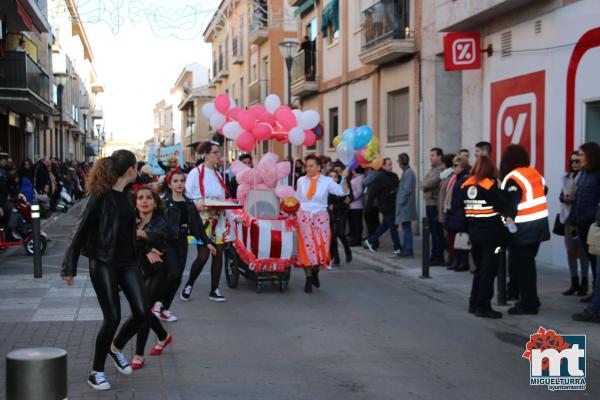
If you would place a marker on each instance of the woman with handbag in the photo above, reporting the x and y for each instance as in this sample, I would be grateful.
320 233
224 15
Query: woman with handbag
572 245
483 204
455 221
150 235
583 216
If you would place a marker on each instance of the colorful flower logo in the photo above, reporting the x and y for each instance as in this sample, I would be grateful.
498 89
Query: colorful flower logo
545 339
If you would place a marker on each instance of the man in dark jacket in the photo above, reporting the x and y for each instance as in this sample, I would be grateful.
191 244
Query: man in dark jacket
384 189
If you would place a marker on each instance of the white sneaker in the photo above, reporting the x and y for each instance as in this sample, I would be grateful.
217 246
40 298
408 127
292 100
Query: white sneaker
166 315
216 295
97 380
186 293
156 309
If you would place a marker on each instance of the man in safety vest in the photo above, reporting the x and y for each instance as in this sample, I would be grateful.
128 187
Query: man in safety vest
526 216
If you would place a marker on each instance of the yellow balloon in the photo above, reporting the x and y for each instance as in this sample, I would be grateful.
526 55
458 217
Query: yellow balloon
337 140
378 163
374 143
370 154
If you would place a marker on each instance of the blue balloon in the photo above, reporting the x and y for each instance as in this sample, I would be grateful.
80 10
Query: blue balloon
348 135
362 137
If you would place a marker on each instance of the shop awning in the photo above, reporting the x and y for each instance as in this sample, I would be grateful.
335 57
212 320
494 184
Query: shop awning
303 7
24 16
331 15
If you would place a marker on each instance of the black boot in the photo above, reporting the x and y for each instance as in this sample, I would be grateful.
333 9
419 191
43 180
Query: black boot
583 288
308 285
574 287
450 261
315 278
454 265
348 256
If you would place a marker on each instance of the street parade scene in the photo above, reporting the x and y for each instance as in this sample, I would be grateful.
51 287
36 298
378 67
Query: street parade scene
299 199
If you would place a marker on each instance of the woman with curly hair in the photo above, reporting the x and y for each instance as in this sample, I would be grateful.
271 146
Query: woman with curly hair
106 234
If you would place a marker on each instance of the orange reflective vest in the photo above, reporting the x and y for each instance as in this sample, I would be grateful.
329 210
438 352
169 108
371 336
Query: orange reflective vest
533 204
475 205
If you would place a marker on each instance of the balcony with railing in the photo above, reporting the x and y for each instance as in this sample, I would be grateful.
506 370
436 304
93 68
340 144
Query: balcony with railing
304 82
24 85
386 33
257 91
223 66
258 29
237 50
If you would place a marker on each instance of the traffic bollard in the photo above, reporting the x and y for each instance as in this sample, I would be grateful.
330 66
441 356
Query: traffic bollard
36 232
425 250
501 281
36 374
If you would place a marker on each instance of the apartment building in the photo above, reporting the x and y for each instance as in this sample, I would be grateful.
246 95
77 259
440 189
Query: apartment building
357 64
537 86
25 70
247 63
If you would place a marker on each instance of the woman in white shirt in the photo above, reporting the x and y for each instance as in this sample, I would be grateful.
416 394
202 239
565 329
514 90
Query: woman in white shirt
204 183
314 233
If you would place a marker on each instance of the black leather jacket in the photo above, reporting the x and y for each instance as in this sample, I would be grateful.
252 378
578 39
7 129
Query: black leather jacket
156 230
95 233
173 216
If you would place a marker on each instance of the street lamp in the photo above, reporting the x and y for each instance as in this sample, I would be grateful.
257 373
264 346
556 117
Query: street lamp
288 50
62 81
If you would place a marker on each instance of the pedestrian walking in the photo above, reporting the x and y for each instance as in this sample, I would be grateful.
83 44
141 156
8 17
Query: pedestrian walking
182 219
355 214
151 234
406 204
445 176
106 234
483 204
371 215
205 183
314 231
431 189
573 246
583 216
526 207
483 149
338 212
455 221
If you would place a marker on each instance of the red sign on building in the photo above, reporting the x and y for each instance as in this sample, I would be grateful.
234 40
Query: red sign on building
517 116
462 50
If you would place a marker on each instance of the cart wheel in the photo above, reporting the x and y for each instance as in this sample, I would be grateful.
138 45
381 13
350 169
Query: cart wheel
232 273
28 245
259 286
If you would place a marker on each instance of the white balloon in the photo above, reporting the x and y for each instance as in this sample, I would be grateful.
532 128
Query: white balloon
217 120
309 119
208 110
232 103
298 115
296 136
232 130
272 102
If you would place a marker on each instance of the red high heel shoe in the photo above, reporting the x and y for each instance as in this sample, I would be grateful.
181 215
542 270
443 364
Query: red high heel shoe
158 348
137 363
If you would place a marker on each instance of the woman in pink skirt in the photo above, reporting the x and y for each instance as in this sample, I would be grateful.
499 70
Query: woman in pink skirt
314 234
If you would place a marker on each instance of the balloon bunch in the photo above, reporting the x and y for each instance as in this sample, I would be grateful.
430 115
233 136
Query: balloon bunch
358 146
258 123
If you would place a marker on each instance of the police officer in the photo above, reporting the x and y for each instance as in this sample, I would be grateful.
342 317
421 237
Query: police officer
525 190
484 203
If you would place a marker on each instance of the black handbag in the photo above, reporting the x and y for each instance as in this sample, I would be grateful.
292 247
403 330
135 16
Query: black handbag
559 227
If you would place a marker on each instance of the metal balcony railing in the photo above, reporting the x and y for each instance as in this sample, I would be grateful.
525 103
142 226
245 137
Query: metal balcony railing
259 17
19 71
387 19
304 66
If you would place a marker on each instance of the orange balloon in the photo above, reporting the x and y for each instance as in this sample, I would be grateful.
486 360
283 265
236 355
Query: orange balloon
377 164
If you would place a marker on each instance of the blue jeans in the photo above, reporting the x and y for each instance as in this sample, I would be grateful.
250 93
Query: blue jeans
438 243
389 222
407 245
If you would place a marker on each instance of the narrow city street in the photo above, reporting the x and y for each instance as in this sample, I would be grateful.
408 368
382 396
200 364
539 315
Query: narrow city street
373 331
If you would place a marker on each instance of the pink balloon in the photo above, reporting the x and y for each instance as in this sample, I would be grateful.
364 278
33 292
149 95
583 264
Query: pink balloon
360 157
284 107
234 113
247 120
222 103
268 118
286 118
262 131
310 138
237 166
284 191
257 110
246 141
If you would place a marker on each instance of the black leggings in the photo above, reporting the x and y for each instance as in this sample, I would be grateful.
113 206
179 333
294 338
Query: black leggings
154 285
215 269
176 257
338 231
106 280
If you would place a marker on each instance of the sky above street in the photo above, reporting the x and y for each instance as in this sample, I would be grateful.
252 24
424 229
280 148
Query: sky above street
140 47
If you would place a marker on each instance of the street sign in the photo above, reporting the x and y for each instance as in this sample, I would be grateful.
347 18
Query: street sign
462 50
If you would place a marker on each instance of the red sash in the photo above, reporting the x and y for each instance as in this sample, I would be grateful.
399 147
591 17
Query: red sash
201 181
